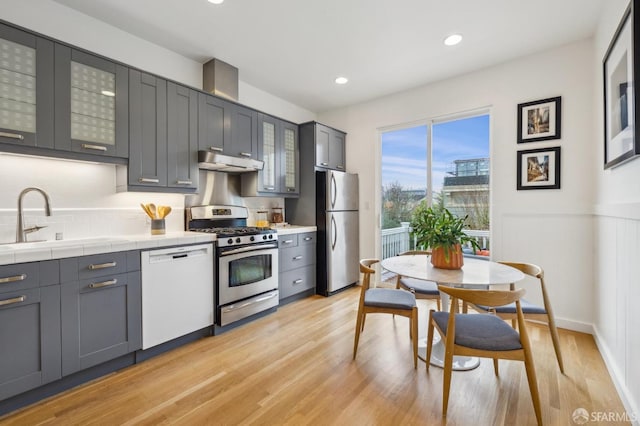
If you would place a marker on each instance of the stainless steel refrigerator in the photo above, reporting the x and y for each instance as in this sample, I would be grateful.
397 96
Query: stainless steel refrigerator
338 235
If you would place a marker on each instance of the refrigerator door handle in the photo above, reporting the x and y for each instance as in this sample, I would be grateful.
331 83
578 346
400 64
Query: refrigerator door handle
334 227
334 191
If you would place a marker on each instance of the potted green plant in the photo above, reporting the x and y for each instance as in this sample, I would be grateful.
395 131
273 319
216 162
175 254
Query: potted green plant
436 228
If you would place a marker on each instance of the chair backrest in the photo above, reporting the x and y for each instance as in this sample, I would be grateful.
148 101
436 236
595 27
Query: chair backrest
527 268
413 252
367 270
483 297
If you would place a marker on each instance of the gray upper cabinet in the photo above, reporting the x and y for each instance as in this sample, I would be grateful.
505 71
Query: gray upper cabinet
329 146
29 326
26 89
91 104
101 308
279 150
147 131
214 123
244 132
182 137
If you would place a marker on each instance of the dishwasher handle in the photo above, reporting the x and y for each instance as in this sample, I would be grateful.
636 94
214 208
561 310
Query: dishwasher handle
170 255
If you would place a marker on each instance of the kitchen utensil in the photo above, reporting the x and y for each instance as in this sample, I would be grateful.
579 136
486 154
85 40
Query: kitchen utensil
146 210
163 211
158 227
277 216
153 210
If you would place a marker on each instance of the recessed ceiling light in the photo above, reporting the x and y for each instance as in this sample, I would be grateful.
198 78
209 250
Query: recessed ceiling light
453 39
215 1
342 80
108 93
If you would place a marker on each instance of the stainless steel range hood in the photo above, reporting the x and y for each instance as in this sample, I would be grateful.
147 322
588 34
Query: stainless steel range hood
211 160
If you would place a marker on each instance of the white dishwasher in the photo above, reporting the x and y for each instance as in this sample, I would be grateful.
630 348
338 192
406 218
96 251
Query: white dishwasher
177 292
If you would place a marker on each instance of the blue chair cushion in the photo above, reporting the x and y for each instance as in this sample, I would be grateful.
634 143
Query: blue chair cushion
421 286
481 331
389 298
527 308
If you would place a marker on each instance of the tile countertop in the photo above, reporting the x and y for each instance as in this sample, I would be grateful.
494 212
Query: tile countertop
45 250
294 229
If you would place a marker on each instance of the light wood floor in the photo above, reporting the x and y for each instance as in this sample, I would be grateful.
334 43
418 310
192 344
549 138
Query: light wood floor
294 367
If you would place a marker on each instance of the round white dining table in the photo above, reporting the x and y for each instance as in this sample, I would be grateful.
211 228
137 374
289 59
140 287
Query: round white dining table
474 273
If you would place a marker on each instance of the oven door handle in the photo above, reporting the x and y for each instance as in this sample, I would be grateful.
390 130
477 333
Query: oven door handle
250 248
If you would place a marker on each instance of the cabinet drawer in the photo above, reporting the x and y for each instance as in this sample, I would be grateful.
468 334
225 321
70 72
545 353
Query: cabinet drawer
18 277
290 240
307 238
88 267
297 257
297 281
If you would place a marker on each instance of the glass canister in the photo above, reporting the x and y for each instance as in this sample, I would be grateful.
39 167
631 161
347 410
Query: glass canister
276 216
262 220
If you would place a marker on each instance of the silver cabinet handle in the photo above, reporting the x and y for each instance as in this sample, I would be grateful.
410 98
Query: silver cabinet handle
13 279
291 189
298 281
245 154
184 182
297 258
102 265
340 167
103 283
287 242
13 301
94 147
269 188
324 164
12 136
215 148
148 180
308 238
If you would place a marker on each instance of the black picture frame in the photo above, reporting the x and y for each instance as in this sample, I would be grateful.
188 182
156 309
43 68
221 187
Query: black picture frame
539 168
620 77
540 120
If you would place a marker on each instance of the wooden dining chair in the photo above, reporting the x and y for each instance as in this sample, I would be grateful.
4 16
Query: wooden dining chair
385 301
421 288
482 335
530 310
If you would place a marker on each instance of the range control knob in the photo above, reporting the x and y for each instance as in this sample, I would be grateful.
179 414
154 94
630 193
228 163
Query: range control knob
230 241
252 238
270 237
238 240
264 237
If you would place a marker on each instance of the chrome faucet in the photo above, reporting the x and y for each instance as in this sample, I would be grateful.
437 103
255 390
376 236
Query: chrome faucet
21 231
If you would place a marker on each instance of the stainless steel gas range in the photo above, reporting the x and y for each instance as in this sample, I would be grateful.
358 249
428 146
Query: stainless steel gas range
246 259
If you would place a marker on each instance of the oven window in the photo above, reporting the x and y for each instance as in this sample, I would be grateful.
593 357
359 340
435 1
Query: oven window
249 270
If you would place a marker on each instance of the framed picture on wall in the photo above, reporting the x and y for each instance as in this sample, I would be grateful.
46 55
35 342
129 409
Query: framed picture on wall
539 120
539 168
620 91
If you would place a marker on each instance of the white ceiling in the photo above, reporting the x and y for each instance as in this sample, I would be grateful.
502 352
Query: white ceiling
294 49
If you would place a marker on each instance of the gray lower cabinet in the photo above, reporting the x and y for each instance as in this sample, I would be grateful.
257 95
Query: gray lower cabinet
30 350
101 308
297 265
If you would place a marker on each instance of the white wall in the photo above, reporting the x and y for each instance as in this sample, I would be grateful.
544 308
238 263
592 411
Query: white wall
617 244
550 227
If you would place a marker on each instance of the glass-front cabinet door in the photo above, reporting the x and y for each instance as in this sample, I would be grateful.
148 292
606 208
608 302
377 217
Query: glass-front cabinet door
26 89
267 153
91 104
290 158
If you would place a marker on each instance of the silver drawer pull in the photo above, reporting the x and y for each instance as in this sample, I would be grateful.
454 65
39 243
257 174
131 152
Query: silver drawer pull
297 258
13 279
103 283
269 188
215 148
324 164
12 136
13 301
287 242
340 167
297 281
147 180
184 182
291 189
102 265
245 154
94 147
308 238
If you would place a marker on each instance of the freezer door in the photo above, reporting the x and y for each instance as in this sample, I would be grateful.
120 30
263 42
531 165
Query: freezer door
342 191
342 249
